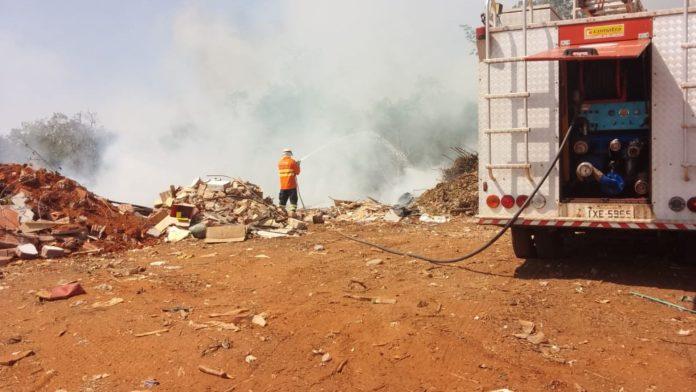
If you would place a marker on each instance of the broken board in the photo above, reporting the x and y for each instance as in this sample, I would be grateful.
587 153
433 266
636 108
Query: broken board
227 233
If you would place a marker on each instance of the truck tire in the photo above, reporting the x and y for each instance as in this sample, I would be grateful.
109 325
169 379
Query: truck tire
523 243
548 243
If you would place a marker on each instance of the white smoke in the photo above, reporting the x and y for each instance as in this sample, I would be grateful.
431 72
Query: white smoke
389 86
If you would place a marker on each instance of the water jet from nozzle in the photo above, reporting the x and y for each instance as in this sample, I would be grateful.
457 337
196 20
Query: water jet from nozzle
398 154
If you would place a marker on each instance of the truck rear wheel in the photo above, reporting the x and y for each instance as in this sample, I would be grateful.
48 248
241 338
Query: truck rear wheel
523 243
548 243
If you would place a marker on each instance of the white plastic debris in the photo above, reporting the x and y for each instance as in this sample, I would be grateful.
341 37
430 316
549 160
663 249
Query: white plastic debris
426 218
175 234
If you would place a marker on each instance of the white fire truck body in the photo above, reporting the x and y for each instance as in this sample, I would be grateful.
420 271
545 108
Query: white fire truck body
627 85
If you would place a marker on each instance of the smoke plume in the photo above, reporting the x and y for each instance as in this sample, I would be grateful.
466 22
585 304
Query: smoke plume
371 93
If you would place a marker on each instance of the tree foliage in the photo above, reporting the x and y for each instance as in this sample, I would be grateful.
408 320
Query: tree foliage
72 144
563 7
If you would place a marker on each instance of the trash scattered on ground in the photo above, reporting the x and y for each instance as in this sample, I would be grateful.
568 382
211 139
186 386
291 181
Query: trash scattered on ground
227 233
156 332
104 287
319 248
687 298
226 344
684 332
374 300
250 359
109 303
213 372
175 234
326 358
60 292
363 211
662 301
373 262
340 366
259 319
11 359
528 333
151 383
13 340
426 218
224 326
391 216
237 313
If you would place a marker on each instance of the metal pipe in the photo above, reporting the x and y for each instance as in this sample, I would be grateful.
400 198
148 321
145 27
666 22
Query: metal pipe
525 87
488 82
685 103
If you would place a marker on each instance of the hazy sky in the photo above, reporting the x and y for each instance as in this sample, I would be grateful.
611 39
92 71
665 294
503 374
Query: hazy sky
63 55
201 87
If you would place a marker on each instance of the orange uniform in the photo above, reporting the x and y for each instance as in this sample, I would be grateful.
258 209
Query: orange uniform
288 169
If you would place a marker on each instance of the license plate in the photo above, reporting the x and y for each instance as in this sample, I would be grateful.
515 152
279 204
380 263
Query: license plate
603 211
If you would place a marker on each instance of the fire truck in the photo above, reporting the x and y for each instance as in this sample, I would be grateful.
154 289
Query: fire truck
617 83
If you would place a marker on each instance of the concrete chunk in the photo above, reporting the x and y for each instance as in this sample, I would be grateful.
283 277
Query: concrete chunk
8 241
227 233
297 224
156 217
164 223
9 218
175 234
27 251
51 252
34 226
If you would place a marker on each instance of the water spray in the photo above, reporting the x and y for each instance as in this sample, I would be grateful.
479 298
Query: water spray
400 155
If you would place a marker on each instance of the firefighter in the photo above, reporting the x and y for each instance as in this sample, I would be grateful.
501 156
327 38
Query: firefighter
288 170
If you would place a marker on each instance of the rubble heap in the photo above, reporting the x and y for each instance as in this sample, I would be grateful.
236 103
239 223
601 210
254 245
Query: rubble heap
220 210
368 210
371 210
45 214
457 194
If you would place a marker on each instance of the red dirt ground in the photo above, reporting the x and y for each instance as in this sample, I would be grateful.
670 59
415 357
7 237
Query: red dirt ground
451 328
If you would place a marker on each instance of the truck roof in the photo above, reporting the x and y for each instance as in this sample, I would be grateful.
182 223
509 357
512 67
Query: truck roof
564 22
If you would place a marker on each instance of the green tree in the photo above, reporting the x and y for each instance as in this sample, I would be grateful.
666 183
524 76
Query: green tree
563 7
73 144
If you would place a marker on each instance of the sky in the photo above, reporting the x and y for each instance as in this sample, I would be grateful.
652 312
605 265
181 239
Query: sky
374 91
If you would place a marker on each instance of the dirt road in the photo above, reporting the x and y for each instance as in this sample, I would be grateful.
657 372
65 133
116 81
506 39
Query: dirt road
450 328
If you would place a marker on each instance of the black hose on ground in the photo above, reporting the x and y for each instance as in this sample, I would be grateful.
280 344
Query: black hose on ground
489 242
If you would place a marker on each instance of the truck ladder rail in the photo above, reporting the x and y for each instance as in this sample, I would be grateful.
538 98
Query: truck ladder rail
524 94
592 8
686 85
519 94
506 130
504 60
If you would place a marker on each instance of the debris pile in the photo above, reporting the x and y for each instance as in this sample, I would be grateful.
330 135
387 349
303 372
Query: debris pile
457 194
363 211
219 209
370 210
43 214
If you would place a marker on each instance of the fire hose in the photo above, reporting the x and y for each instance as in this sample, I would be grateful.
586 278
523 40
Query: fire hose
488 243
